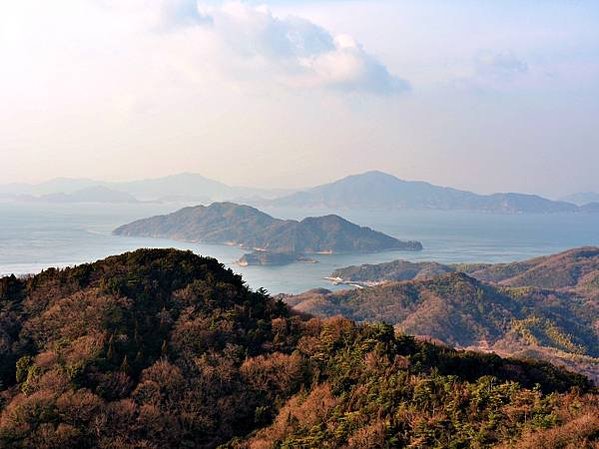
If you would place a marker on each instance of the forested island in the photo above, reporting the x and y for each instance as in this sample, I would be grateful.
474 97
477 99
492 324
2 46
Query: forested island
249 228
265 259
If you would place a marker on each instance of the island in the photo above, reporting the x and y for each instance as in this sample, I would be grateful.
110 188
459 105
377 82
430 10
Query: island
275 240
265 259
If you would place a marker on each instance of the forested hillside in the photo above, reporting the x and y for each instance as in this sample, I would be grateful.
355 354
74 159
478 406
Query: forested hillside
164 349
455 308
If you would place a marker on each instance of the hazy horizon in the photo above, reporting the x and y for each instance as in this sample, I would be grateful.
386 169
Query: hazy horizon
256 186
486 97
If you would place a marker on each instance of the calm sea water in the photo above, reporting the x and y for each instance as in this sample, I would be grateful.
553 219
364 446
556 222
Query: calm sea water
38 236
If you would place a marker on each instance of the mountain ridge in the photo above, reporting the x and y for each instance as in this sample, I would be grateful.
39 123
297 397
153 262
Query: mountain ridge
177 185
94 194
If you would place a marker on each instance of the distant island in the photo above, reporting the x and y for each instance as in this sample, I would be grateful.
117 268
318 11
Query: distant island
378 190
249 228
265 259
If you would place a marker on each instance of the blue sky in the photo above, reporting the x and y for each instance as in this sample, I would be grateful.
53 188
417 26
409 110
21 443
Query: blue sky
488 96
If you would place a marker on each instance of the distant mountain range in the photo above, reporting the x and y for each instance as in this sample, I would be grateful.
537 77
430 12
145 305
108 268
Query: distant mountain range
370 190
95 194
378 190
547 307
591 208
184 187
582 198
245 226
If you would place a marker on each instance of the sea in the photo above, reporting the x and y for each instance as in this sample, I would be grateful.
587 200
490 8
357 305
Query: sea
36 236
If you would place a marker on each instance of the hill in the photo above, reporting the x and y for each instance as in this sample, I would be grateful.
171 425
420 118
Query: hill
397 270
461 311
377 190
574 268
228 223
547 307
166 349
457 309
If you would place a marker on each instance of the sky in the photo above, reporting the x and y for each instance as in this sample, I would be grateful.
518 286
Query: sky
482 95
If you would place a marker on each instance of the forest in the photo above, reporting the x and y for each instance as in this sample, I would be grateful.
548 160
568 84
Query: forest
162 349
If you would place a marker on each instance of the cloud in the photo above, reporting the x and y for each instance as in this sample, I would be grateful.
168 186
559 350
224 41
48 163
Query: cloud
176 13
492 71
291 51
502 66
348 67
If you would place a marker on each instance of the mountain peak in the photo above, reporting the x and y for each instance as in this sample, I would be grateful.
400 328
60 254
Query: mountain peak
370 176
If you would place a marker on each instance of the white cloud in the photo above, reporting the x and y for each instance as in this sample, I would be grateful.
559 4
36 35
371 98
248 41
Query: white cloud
176 13
132 88
492 71
502 65
348 67
291 51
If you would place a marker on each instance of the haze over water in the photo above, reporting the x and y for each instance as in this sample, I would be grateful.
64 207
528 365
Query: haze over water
37 236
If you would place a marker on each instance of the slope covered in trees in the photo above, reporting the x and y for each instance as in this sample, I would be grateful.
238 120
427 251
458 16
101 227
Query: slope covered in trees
575 268
455 308
165 349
